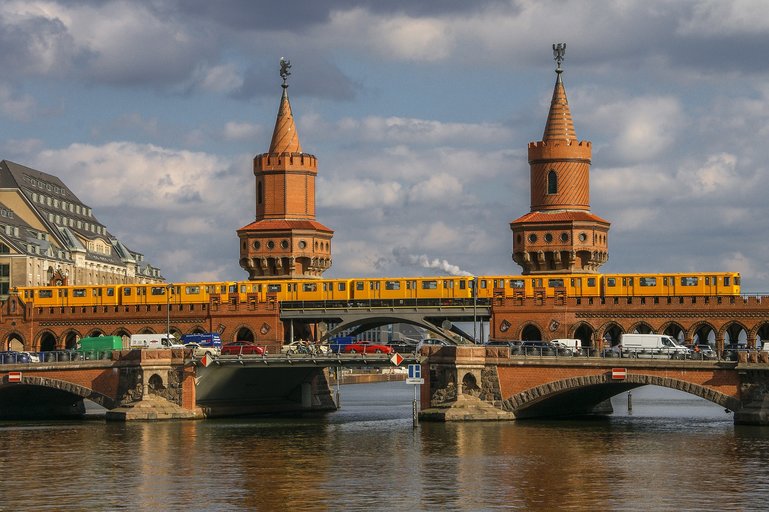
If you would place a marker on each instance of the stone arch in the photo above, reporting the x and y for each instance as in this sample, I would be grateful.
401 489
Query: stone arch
527 398
81 391
730 332
198 330
69 339
156 384
14 341
640 327
584 332
760 332
702 330
610 333
46 341
244 333
675 330
531 331
470 384
95 333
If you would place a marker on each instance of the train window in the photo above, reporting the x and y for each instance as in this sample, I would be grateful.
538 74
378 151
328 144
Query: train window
462 284
392 285
483 284
737 281
96 292
726 280
591 281
78 292
192 290
341 286
45 294
373 285
448 284
516 283
273 287
707 281
647 281
538 282
429 285
127 292
689 281
555 283
223 288
664 281
611 281
110 292
309 287
158 290
233 288
624 281
359 285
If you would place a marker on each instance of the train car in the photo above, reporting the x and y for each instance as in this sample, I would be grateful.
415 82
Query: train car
88 295
666 285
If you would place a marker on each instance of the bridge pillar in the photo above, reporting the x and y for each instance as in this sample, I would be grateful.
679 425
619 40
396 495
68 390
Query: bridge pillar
754 398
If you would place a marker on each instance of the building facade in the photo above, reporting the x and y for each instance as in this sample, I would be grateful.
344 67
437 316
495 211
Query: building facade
285 241
560 234
49 237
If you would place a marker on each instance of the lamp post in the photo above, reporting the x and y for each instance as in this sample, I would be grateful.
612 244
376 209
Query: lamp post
169 287
473 283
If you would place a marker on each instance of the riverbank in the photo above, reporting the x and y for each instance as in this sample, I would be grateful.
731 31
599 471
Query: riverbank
368 377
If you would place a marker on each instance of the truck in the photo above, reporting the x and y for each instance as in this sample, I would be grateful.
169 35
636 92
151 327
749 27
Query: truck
99 343
162 340
203 343
337 344
653 346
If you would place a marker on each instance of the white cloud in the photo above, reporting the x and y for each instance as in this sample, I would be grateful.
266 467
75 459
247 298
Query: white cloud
223 78
714 17
234 130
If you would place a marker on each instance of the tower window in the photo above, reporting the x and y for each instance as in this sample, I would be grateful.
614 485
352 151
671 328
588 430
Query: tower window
552 182
259 192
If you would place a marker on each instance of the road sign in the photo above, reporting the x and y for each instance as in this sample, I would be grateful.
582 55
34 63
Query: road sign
415 371
396 359
14 376
618 373
206 360
415 381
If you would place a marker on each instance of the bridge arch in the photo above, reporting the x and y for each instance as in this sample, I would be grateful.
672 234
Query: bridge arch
68 339
95 333
584 332
373 322
46 341
731 332
244 333
14 340
67 387
701 332
531 331
675 330
610 333
760 332
534 401
640 328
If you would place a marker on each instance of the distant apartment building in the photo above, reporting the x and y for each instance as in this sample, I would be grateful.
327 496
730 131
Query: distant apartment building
49 237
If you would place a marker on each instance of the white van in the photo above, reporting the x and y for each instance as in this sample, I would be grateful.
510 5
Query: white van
653 346
161 340
573 345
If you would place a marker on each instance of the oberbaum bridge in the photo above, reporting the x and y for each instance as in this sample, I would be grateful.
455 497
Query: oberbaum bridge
461 382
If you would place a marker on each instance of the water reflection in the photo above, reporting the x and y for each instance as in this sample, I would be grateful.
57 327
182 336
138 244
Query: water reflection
672 452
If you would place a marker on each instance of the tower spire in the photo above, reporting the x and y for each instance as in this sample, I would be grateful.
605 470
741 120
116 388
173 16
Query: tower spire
559 124
284 137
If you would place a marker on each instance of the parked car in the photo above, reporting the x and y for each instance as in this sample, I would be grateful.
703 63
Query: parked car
33 358
702 351
199 351
403 347
13 357
241 347
538 348
364 347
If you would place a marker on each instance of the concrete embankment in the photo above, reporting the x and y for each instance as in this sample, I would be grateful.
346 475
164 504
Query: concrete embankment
367 377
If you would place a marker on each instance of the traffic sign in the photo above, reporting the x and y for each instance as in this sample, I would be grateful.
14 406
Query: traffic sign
14 376
415 381
396 359
415 371
206 360
618 373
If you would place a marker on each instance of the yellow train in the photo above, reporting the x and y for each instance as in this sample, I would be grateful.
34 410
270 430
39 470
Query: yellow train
453 290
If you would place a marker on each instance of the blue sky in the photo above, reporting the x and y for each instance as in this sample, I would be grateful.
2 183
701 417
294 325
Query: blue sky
419 114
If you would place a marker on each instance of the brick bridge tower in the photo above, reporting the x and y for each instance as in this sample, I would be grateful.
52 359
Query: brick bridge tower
285 240
560 234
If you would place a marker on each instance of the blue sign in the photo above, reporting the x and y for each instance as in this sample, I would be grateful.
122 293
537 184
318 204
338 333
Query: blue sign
415 371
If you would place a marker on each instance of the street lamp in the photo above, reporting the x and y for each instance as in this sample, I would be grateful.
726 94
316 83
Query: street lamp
473 282
169 287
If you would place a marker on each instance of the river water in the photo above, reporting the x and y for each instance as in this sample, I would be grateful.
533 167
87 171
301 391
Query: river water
672 452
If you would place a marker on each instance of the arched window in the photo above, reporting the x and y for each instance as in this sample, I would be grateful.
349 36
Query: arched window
552 182
259 193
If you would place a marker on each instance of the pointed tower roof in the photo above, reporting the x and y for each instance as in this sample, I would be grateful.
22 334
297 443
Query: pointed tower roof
559 124
284 137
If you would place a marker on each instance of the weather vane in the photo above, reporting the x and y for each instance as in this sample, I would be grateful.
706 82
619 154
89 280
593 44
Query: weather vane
559 51
285 65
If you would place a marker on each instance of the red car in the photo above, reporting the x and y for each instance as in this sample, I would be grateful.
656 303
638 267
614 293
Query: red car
241 347
364 347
